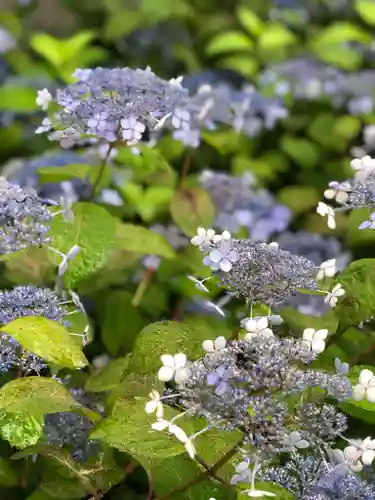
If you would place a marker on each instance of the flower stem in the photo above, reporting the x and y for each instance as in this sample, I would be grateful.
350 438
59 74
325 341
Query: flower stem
142 287
100 173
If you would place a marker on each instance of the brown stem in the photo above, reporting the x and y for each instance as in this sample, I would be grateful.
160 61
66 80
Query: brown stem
204 475
142 286
100 173
235 333
185 169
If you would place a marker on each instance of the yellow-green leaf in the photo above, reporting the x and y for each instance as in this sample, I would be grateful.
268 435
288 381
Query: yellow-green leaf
192 208
141 240
230 41
47 339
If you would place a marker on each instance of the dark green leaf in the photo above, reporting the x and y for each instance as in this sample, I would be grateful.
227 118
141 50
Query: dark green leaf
109 377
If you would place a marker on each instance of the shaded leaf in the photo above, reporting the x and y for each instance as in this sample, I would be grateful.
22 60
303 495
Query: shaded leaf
192 208
8 477
109 377
141 240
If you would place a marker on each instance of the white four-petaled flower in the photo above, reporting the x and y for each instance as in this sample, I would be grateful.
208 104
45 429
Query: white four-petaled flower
295 440
43 99
242 474
316 339
325 210
338 191
203 237
256 326
174 367
327 269
222 257
366 387
333 297
155 405
358 454
214 345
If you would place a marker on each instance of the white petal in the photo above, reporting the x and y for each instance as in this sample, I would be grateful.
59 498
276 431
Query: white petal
196 240
365 376
216 256
368 457
331 222
241 467
249 336
179 433
370 394
220 343
262 323
342 197
190 448
180 360
226 265
329 194
181 375
322 209
352 453
308 334
318 346
160 425
210 233
150 406
201 231
371 382
208 346
165 374
159 411
321 334
358 392
250 325
167 360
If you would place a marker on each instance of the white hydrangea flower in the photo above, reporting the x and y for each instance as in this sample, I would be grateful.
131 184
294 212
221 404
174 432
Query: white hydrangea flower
338 191
43 99
295 440
214 345
224 236
155 405
358 454
203 237
366 387
44 127
253 493
333 297
327 269
222 258
73 252
363 167
325 210
349 456
315 338
256 326
174 367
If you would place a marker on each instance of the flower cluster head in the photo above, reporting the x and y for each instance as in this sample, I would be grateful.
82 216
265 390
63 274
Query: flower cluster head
245 384
71 430
259 272
26 301
24 218
116 105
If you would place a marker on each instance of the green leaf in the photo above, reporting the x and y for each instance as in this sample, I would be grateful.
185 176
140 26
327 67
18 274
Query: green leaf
274 36
354 236
343 57
244 64
18 99
109 377
340 32
141 240
120 322
365 8
155 200
250 21
230 41
169 473
94 230
47 339
299 199
60 174
358 303
128 429
142 160
347 127
167 337
21 429
35 396
321 129
8 477
192 208
302 151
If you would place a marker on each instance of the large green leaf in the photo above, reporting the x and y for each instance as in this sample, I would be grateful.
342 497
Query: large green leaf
35 396
141 240
229 41
120 322
128 429
60 174
192 208
304 152
249 20
47 339
365 9
167 337
299 199
94 230
18 99
21 429
109 377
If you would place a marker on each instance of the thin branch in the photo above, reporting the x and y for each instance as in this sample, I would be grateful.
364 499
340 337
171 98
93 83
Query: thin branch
100 173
